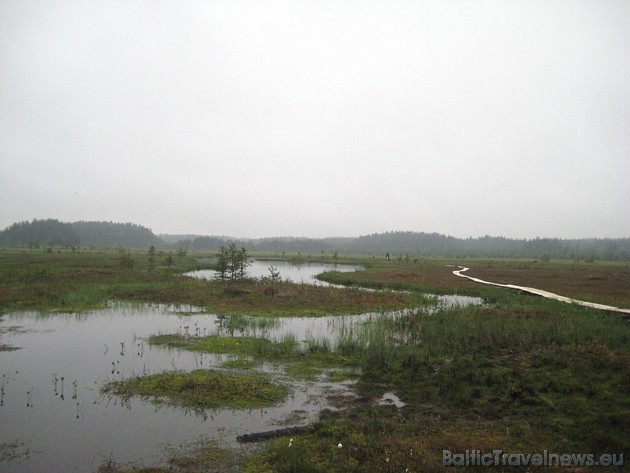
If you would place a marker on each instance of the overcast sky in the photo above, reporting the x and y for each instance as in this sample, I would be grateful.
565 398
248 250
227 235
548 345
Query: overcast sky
318 118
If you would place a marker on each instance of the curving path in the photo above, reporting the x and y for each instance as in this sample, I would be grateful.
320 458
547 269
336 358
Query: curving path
540 292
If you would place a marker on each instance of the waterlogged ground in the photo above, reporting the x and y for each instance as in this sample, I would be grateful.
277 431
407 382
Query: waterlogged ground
54 415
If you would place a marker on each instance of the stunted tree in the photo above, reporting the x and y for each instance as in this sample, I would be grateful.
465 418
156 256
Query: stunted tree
126 261
232 263
169 260
152 254
242 263
233 257
274 275
222 264
273 278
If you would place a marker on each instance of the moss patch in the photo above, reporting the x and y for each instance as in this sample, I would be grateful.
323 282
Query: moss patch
304 364
240 364
203 389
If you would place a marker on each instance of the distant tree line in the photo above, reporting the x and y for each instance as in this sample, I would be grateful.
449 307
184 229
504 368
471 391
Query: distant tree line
403 245
39 233
419 244
109 234
51 232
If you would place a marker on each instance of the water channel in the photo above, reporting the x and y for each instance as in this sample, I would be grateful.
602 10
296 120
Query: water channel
54 417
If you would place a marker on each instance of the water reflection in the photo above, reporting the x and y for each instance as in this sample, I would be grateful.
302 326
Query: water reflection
301 273
51 401
53 416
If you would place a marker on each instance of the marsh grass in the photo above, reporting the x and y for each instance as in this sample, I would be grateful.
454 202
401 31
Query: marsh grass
602 282
203 389
214 344
235 324
302 361
33 279
340 375
521 373
240 364
76 280
260 347
319 345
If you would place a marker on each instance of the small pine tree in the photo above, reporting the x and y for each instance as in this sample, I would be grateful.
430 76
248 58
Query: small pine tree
169 260
232 263
222 264
152 258
243 263
274 275
126 261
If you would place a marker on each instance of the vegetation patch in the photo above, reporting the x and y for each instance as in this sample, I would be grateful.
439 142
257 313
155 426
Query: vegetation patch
378 439
341 375
603 282
213 344
240 364
303 371
493 378
73 280
250 346
520 374
203 389
302 363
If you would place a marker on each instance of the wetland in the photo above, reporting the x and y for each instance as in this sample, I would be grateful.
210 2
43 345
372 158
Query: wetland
150 381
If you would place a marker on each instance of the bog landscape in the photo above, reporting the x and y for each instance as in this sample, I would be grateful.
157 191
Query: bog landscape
123 351
314 236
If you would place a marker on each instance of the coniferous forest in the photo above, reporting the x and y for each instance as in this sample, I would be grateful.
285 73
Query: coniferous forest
400 244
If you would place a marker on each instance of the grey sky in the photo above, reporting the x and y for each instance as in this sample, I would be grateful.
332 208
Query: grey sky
318 118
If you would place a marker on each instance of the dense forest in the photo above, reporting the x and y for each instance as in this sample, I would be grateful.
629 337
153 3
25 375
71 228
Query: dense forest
39 233
406 245
403 245
50 232
108 234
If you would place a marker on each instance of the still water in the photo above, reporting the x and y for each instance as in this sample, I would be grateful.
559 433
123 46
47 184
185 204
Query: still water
300 273
53 416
